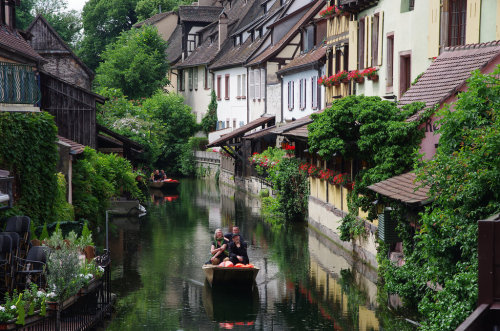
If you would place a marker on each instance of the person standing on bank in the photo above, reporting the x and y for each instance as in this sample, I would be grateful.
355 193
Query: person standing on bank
238 251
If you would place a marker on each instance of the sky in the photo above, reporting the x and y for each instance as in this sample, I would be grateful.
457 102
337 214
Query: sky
76 4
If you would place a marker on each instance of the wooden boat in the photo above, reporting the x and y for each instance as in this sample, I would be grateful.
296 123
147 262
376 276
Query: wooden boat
230 276
166 184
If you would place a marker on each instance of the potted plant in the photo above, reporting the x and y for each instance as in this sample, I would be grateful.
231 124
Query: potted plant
356 76
371 74
343 76
331 11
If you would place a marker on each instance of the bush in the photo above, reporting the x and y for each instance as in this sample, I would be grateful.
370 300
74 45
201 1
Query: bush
97 177
209 121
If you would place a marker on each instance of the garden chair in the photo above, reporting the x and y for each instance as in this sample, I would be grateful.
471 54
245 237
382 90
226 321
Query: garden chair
6 260
20 225
32 269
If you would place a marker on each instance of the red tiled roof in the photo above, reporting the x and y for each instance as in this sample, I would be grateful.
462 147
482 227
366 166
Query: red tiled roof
75 147
403 188
449 72
313 56
12 40
242 130
272 50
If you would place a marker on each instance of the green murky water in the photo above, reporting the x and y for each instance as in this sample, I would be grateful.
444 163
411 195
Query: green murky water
304 282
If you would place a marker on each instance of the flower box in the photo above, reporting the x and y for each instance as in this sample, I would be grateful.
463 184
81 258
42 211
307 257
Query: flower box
373 78
9 325
360 80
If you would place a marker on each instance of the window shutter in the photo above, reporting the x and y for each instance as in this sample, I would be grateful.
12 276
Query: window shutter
257 83
251 92
434 28
368 38
238 90
300 94
473 21
380 38
226 85
195 78
263 83
293 95
243 85
305 93
353 45
288 92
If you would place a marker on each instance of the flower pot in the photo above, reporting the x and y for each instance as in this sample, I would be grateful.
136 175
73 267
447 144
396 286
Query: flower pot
337 83
345 80
360 80
373 78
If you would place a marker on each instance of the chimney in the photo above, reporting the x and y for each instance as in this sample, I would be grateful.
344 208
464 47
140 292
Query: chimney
222 28
204 2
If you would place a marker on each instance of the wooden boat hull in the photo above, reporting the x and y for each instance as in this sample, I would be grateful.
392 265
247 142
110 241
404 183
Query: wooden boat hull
230 276
164 185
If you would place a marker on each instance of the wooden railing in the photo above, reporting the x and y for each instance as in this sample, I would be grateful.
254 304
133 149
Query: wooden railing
18 84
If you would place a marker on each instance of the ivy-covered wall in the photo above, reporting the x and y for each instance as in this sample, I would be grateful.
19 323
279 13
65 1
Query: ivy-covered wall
28 150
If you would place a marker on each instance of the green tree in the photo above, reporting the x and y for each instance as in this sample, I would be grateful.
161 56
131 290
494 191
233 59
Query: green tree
148 8
209 121
172 125
135 63
103 21
464 177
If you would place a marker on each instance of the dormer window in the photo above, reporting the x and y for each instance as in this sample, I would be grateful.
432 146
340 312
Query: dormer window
308 38
237 40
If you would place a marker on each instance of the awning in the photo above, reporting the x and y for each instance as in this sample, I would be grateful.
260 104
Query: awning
229 139
403 188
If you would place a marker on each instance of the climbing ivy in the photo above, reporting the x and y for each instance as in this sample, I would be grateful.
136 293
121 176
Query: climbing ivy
28 150
464 177
371 130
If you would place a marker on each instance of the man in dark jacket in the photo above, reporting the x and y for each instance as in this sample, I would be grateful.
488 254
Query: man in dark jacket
238 251
229 236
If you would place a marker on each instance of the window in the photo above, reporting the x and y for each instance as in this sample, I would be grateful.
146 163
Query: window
361 44
290 95
338 56
238 89
218 87
243 86
262 84
251 85
390 60
346 58
234 123
226 87
308 38
375 29
457 21
257 83
195 79
190 78
207 80
181 80
330 64
314 92
302 88
411 4
227 123
404 72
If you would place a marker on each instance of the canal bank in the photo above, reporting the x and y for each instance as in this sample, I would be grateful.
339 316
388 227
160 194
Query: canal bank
303 284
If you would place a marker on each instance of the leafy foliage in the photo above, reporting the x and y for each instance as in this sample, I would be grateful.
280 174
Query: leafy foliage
63 211
148 8
103 21
134 63
28 149
464 177
292 188
187 161
96 178
367 129
209 121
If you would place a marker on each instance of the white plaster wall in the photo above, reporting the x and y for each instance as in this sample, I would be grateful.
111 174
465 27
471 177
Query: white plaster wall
198 99
274 101
410 33
296 112
232 109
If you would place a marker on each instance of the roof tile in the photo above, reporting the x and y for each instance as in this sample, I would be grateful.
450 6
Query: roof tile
13 40
403 188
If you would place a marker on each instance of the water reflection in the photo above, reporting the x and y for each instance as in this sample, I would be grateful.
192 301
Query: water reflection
303 284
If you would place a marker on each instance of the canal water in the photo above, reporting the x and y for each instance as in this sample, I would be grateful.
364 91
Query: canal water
305 281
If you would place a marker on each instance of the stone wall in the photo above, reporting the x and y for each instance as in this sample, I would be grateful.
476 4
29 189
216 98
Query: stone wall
208 160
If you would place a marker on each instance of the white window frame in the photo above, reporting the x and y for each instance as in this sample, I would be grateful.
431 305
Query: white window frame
243 86
251 85
290 95
238 90
263 84
257 83
314 92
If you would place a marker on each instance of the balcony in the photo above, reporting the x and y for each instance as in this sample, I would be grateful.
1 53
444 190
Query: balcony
18 84
355 6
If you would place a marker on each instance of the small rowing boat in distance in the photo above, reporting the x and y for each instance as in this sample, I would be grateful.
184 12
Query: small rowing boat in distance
166 184
230 276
